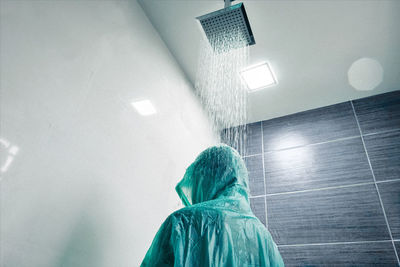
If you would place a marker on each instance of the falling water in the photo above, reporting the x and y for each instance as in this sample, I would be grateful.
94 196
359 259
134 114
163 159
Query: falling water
220 88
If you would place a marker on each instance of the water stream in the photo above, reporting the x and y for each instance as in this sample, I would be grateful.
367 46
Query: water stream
219 86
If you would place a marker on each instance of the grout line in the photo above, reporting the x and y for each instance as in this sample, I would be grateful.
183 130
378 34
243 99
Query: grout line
257 196
313 144
376 185
319 189
252 155
265 183
335 243
383 132
387 181
324 188
300 146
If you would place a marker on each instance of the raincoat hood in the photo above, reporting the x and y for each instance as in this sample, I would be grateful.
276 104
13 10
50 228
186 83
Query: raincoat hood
217 227
217 172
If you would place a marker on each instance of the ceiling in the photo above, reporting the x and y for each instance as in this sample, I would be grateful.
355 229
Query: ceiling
309 44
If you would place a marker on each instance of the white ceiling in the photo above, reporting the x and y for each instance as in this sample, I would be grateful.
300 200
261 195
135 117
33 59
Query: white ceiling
310 44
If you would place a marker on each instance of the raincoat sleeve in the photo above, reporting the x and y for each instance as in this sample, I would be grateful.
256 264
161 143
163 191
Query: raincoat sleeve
161 252
275 258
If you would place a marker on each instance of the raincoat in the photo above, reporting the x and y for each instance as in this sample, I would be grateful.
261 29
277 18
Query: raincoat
217 226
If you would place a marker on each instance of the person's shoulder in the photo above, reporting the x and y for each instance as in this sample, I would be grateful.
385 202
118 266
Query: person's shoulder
196 211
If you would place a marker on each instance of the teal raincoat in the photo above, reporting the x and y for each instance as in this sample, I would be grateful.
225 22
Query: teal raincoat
217 226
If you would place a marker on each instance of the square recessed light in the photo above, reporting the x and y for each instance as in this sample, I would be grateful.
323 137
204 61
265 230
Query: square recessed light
258 76
144 107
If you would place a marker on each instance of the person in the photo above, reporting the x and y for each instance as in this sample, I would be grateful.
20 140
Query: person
217 226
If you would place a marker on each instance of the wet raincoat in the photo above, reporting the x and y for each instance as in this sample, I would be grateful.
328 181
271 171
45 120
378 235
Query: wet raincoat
217 226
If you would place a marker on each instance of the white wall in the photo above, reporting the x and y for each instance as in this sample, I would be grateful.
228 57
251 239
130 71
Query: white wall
92 180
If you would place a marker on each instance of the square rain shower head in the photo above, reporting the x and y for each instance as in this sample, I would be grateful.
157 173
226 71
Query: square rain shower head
232 19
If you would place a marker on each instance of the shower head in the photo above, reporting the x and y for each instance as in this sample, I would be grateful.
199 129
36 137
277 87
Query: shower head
226 21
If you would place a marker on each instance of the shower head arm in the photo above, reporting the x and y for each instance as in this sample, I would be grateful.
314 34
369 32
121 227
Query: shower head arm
228 3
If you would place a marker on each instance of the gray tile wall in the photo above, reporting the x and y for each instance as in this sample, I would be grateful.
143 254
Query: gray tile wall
326 182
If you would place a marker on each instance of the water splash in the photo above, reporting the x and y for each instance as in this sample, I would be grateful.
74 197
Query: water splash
220 88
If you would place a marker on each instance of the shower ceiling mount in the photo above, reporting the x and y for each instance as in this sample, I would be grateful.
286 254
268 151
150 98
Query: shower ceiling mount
228 3
230 19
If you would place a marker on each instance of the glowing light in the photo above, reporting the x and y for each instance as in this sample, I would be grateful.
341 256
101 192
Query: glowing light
10 151
7 164
284 140
4 142
13 150
258 76
295 157
144 107
365 74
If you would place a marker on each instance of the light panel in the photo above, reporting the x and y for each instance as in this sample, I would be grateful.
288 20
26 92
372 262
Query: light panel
144 107
258 76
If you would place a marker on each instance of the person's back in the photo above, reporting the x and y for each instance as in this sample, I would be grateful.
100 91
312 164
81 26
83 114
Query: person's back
217 228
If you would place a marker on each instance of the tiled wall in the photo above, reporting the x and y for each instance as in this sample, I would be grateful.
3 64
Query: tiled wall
326 182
